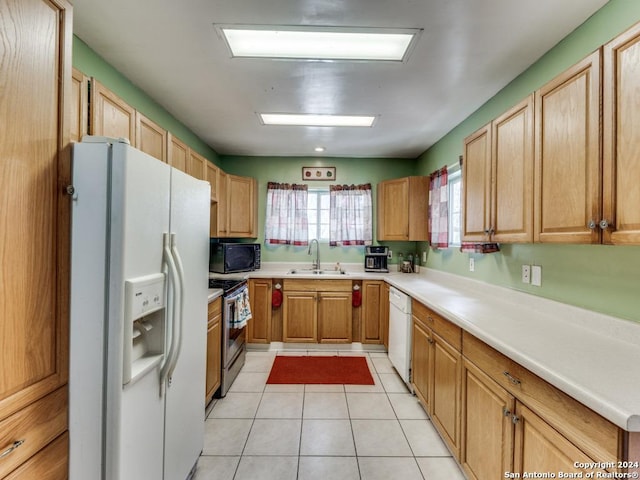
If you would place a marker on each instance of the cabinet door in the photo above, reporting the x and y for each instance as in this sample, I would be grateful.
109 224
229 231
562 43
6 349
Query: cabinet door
50 463
512 175
476 186
197 166
567 157
214 348
259 327
79 123
487 429
621 168
178 153
35 75
241 197
219 213
110 115
300 319
213 173
151 138
539 448
384 308
421 363
334 317
445 408
372 311
393 209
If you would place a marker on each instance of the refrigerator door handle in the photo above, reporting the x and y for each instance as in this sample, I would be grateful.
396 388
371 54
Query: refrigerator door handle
170 322
180 321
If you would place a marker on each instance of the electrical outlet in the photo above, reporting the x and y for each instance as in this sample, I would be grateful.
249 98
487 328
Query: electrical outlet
389 254
536 275
526 273
424 257
472 264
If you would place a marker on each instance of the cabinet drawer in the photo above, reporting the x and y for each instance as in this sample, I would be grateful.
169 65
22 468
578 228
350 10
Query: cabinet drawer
36 426
449 332
215 308
51 463
305 285
593 434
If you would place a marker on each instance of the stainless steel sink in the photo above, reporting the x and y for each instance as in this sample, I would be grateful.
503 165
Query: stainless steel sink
315 271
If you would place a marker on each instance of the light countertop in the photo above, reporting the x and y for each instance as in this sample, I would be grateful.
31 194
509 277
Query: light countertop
594 358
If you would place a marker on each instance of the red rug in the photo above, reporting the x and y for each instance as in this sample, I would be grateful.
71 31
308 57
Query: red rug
320 370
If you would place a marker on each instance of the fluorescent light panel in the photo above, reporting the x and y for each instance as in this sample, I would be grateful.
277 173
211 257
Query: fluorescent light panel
319 43
317 120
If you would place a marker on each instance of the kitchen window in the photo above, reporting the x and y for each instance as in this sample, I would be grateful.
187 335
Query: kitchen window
318 202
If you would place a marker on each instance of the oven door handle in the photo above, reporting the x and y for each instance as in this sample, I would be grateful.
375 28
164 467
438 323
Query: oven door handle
170 323
180 270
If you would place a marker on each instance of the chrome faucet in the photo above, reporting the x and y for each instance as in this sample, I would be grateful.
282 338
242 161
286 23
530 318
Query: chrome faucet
316 264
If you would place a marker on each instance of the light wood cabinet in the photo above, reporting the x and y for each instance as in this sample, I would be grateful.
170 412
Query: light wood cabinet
197 165
487 426
213 173
110 115
402 206
334 317
34 167
241 207
373 311
317 311
177 152
259 327
436 357
79 120
51 463
498 178
568 183
214 348
151 138
219 214
621 168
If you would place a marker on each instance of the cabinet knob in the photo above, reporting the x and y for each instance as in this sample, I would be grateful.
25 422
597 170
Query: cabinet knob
515 419
591 225
604 224
430 340
506 412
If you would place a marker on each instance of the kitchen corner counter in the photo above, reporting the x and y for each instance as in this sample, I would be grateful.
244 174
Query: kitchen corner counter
214 293
592 357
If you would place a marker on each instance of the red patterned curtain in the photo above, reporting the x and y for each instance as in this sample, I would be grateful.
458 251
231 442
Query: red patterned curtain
350 215
439 209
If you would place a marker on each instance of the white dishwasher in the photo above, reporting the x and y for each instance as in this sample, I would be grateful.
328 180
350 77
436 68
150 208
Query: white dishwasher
400 332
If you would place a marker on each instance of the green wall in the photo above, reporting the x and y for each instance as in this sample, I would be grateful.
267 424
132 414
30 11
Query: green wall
92 65
597 277
348 171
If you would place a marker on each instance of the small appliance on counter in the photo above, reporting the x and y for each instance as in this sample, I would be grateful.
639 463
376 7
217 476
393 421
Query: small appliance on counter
375 259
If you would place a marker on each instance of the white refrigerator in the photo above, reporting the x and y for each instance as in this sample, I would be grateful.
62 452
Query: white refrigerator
139 279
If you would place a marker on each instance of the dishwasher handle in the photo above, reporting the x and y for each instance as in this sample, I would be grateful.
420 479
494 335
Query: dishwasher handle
400 300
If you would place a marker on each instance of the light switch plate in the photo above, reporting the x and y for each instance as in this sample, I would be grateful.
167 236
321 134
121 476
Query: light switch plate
472 265
536 275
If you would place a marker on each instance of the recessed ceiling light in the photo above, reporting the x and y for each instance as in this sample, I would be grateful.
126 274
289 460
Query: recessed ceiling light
319 149
310 120
318 43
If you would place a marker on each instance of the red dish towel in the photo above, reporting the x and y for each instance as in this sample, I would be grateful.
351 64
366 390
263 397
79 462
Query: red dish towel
276 298
356 298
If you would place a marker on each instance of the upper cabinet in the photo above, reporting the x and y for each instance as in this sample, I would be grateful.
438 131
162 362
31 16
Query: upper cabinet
197 165
241 206
110 115
178 153
567 161
402 209
498 178
151 138
79 120
621 168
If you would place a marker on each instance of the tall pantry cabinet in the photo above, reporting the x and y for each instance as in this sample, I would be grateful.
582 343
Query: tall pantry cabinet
35 74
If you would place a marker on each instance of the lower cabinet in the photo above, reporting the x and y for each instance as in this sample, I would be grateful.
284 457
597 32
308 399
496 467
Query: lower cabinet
259 327
515 422
50 463
436 371
374 308
317 311
214 346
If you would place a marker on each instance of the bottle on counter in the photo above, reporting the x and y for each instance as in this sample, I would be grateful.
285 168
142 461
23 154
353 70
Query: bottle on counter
400 259
411 264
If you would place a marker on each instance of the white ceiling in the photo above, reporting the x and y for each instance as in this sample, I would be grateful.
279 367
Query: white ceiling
468 51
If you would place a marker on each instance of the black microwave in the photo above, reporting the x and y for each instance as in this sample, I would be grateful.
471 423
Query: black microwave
234 257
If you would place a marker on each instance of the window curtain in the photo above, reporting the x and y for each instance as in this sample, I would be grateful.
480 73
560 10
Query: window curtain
350 215
439 209
286 217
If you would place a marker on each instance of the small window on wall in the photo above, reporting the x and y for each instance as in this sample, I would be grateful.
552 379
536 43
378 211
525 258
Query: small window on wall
318 214
455 203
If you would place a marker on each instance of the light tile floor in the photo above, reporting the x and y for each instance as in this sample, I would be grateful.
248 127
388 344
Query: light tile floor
321 432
